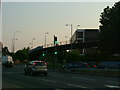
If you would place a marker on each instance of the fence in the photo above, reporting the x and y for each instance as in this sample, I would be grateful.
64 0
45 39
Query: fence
59 43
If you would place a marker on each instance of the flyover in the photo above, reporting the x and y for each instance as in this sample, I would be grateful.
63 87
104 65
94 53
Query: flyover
36 52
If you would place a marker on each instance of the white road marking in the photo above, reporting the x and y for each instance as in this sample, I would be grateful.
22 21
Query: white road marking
82 78
111 86
58 89
76 86
47 80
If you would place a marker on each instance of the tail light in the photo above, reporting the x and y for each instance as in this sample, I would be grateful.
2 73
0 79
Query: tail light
94 66
45 63
87 64
34 63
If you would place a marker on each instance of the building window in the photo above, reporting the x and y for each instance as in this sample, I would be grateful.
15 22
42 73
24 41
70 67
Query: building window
80 34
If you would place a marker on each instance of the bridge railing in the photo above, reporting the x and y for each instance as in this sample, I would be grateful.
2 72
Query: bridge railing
59 43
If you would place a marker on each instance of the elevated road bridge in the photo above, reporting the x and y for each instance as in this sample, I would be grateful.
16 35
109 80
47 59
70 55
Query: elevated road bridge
37 52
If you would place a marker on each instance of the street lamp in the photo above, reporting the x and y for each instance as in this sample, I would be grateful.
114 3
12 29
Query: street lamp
71 34
29 45
32 42
45 38
70 29
14 40
77 27
66 39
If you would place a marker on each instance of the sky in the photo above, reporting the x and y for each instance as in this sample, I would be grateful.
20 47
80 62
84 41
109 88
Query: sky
34 19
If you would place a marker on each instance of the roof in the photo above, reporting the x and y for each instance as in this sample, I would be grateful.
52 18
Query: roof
82 30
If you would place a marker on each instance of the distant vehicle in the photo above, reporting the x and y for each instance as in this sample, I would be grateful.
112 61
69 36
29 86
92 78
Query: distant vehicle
75 65
7 61
36 67
92 64
109 65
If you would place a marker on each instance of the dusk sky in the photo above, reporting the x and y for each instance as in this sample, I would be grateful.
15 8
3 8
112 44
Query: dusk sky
34 19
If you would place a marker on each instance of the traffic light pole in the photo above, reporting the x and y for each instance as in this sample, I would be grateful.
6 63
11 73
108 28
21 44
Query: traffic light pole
55 52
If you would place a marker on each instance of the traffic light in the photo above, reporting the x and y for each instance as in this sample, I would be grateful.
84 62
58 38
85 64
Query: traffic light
55 39
43 54
55 52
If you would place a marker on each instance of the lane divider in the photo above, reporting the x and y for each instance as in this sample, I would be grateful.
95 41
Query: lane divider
82 78
111 86
76 86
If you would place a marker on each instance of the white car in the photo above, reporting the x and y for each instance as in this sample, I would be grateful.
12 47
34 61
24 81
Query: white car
36 67
7 61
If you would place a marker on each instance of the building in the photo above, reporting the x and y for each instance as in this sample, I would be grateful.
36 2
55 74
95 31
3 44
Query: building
85 36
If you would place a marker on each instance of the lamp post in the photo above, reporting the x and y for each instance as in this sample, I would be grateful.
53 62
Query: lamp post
77 27
71 28
45 38
66 39
32 42
29 45
14 40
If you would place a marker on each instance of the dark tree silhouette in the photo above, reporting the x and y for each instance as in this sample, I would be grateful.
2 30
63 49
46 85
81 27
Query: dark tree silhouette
22 54
110 30
5 51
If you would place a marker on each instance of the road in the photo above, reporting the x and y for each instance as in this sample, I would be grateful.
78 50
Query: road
15 78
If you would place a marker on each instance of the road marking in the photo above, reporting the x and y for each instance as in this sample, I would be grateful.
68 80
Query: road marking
58 89
76 86
82 78
48 80
111 86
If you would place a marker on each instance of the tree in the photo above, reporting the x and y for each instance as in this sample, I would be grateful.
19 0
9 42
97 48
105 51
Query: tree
72 56
5 51
110 30
22 54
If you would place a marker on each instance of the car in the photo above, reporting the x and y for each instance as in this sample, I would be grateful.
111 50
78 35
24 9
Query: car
7 61
36 67
109 65
75 65
92 64
8 64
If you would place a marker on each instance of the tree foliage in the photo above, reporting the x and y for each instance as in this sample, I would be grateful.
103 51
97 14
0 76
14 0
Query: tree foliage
72 56
22 54
5 51
110 29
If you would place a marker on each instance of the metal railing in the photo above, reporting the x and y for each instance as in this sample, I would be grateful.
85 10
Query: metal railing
59 43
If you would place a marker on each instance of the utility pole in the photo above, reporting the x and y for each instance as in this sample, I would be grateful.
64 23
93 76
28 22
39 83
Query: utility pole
14 40
71 28
45 38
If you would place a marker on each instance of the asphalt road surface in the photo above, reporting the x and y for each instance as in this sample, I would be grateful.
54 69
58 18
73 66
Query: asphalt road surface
15 78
